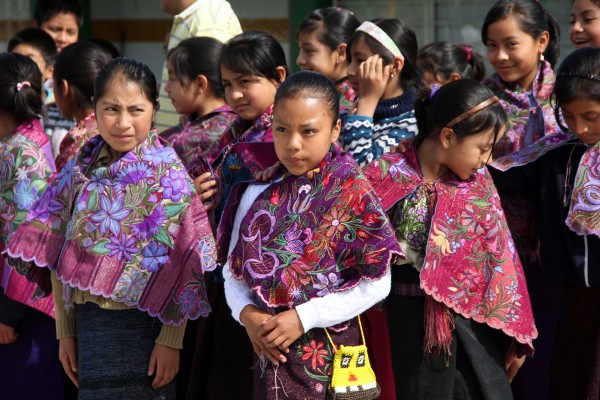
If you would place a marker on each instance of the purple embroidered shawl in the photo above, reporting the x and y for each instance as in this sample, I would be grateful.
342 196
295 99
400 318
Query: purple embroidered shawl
86 129
470 264
518 108
133 231
24 176
311 235
584 216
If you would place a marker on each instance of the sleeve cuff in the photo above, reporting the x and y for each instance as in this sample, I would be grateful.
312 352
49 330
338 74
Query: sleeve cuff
172 336
65 325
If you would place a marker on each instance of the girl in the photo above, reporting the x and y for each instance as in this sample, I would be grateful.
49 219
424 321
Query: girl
562 170
127 240
383 71
323 251
585 23
61 19
462 275
195 91
75 70
443 62
28 364
323 38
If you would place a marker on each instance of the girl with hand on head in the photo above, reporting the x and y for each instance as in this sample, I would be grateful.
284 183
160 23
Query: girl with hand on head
443 62
323 39
326 238
562 170
585 23
383 71
28 364
461 284
127 241
75 71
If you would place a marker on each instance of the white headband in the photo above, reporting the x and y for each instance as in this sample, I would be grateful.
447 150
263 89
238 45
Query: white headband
378 34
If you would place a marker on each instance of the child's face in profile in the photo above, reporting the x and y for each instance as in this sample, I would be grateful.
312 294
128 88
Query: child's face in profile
468 154
583 119
318 57
303 131
585 24
124 115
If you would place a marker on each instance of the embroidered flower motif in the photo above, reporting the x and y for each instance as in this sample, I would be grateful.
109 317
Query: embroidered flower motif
25 194
296 274
319 388
175 185
297 239
328 284
98 181
155 255
110 214
315 353
207 254
188 301
151 223
334 222
122 247
133 174
161 155
439 238
131 284
21 173
511 315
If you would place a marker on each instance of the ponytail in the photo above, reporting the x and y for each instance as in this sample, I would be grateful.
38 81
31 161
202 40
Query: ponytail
20 87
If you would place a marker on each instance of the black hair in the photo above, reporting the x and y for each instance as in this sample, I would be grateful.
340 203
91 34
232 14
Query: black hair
446 58
450 101
311 84
108 46
46 9
532 18
131 70
595 2
198 56
255 53
78 64
38 39
338 25
578 77
24 103
406 40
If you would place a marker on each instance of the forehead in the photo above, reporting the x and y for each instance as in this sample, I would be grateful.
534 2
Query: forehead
581 106
310 36
360 46
123 90
507 27
68 20
299 104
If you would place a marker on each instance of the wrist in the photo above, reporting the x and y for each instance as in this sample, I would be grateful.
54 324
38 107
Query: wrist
247 313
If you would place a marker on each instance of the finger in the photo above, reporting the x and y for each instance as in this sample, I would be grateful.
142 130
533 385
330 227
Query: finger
207 195
256 348
208 206
69 371
208 185
159 377
152 364
379 68
73 360
274 355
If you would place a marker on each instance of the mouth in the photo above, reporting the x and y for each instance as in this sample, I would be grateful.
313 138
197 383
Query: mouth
581 42
295 161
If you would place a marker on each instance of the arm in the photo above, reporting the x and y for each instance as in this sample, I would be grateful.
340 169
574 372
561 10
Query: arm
164 360
65 331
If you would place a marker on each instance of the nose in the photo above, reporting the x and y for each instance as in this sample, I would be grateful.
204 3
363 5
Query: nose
294 142
576 27
352 68
500 54
578 127
236 94
300 60
123 121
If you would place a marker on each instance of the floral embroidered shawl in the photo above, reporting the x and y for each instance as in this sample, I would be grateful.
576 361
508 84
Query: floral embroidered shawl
470 264
199 138
86 129
311 235
518 108
584 216
347 94
24 176
133 231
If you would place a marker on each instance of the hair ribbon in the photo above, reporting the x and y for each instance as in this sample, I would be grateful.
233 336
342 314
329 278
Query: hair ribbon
21 85
379 34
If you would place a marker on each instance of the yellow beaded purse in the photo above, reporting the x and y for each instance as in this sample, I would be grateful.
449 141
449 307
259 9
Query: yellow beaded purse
352 377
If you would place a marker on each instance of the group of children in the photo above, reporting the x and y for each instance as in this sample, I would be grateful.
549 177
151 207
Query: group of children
353 203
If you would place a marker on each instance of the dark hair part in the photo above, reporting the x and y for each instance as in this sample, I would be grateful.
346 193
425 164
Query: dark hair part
108 46
532 18
131 70
447 58
38 39
255 53
571 82
452 100
46 9
198 56
406 40
310 84
26 103
79 64
338 25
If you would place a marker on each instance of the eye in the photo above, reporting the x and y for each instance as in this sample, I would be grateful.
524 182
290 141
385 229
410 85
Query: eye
225 84
244 81
490 45
309 132
512 44
280 129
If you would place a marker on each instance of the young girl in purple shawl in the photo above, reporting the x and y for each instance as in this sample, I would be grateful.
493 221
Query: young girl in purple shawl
28 361
308 250
127 241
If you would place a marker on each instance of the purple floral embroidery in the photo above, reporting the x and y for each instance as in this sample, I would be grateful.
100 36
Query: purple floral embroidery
98 181
155 255
150 225
328 284
175 185
188 298
133 174
297 239
110 214
25 194
122 247
161 155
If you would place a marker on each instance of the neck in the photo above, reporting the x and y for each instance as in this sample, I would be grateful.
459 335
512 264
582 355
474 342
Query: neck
7 124
429 156
81 114
393 89
209 105
340 72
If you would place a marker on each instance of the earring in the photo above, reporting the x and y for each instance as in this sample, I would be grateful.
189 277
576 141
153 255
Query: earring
392 76
541 57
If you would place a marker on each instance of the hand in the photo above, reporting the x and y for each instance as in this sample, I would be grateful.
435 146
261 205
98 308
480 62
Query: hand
67 354
253 318
7 334
268 173
206 187
373 78
512 363
164 364
401 148
281 330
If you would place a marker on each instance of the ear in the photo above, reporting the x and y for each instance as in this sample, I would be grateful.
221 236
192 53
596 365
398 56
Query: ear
397 65
335 133
282 74
202 82
64 88
543 41
446 137
341 53
454 77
